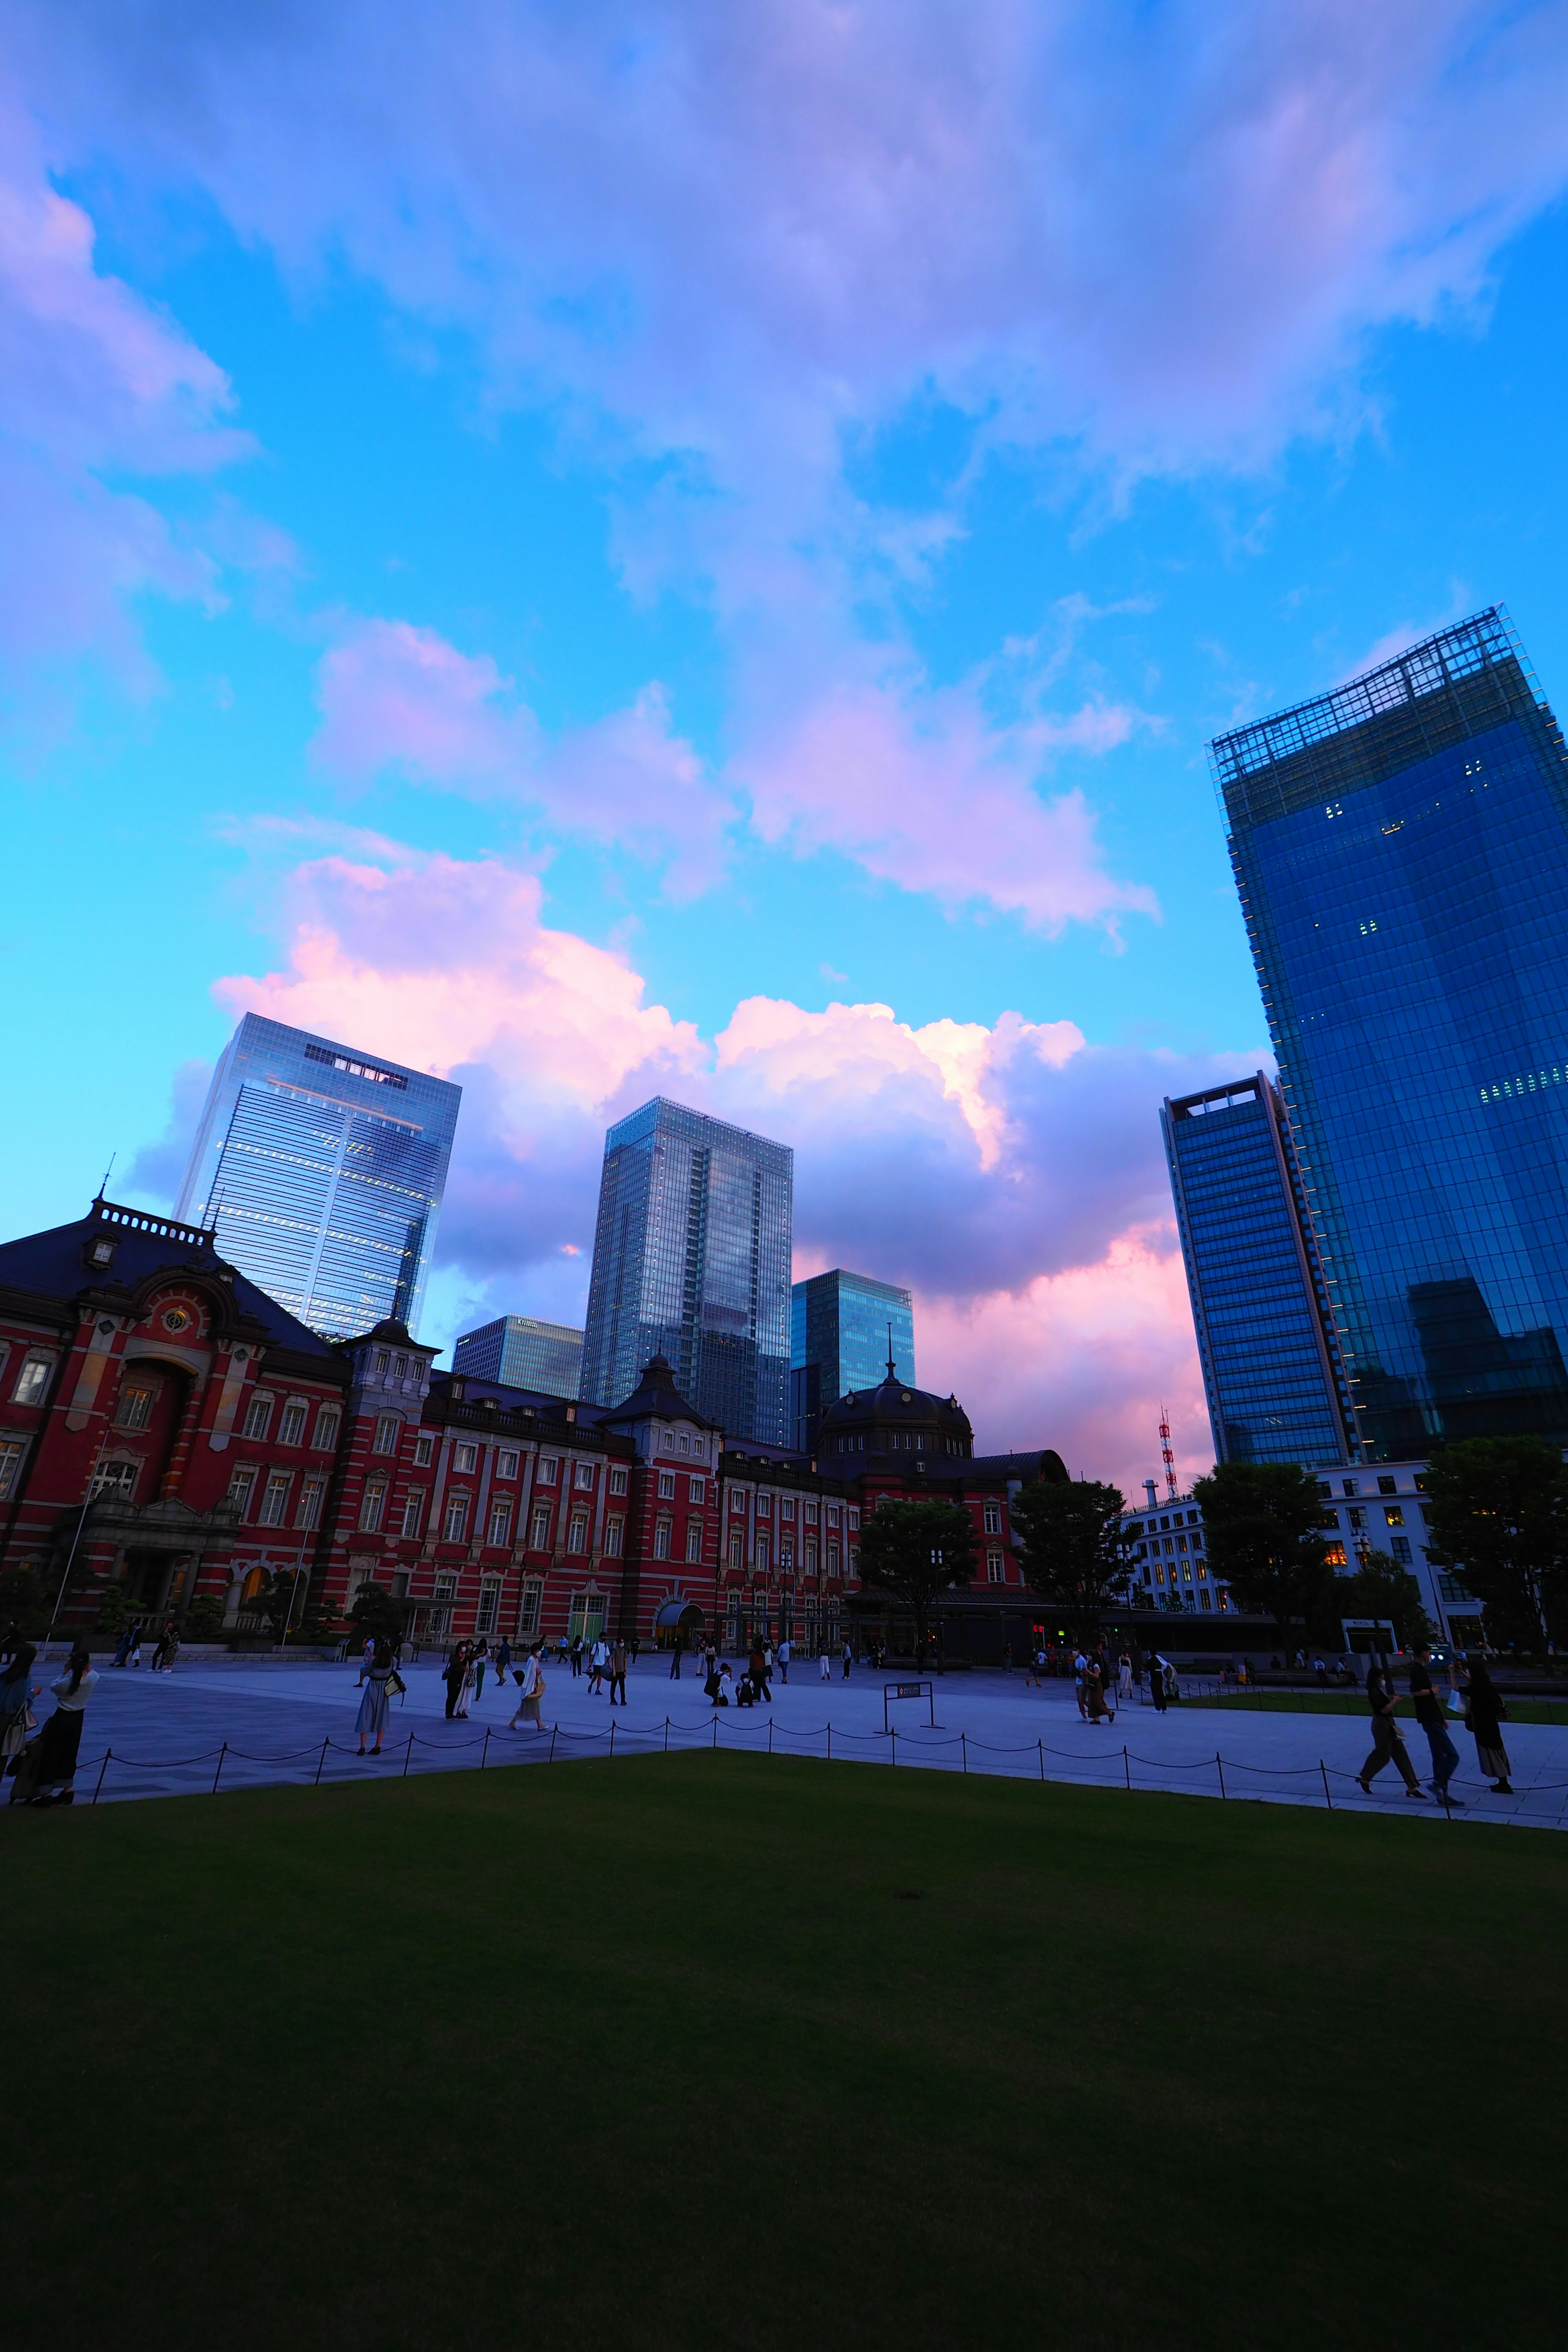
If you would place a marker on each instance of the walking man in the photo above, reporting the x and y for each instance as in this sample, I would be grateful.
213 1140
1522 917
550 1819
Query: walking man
825 1665
618 1672
1430 1716
783 1659
1387 1740
675 1649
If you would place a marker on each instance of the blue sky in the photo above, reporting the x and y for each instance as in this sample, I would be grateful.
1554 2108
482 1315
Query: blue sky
619 553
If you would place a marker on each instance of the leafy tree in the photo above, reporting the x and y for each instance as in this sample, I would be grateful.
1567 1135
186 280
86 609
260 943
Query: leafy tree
1074 1556
1381 1588
23 1597
203 1619
1261 1519
915 1551
1497 1508
375 1615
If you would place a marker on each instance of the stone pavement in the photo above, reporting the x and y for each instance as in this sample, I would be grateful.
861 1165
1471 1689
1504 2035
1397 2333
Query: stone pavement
229 1726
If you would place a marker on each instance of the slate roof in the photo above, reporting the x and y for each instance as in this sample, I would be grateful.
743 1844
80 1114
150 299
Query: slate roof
657 1392
53 1266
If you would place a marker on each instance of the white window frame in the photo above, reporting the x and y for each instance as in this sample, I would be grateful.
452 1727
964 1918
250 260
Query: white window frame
387 1425
297 1415
13 1452
539 1529
506 1466
258 1417
425 1449
313 1493
328 1422
372 1506
412 1514
465 1457
274 1511
693 1542
615 1537
242 1486
617 1477
500 1519
31 1390
455 1519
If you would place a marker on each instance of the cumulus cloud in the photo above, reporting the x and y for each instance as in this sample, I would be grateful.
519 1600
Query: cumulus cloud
1010 1173
94 384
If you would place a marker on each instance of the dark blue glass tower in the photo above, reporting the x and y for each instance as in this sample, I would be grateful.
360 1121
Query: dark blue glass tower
1401 846
843 1328
1272 1372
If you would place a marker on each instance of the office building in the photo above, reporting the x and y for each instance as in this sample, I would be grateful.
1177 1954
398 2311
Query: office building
691 1262
1400 848
843 1329
319 1170
522 1353
1273 1376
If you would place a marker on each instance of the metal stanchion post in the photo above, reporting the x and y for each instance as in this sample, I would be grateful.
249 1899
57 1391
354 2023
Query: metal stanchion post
553 1729
769 1735
895 1739
612 1735
666 1734
1327 1792
223 1751
1041 1745
963 1743
1219 1767
407 1756
1126 1764
320 1761
101 1770
484 1752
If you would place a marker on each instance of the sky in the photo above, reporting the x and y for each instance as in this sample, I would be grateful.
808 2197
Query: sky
617 549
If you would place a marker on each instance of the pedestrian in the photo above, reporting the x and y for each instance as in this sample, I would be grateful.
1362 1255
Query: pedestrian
675 1650
133 1648
16 1715
47 1764
466 1685
530 1691
1484 1712
1387 1740
1322 1671
121 1648
1430 1716
757 1667
783 1659
1095 1709
618 1672
367 1659
846 1649
825 1665
457 1666
169 1648
1080 1680
1006 1657
503 1659
633 1647
375 1705
1124 1677
1157 1681
576 1654
481 1660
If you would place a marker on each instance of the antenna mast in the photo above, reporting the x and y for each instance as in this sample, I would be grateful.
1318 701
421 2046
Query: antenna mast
1169 1458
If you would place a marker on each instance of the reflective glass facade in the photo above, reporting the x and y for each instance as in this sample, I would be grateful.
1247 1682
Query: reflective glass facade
1275 1383
691 1261
1401 846
322 1168
839 1343
522 1353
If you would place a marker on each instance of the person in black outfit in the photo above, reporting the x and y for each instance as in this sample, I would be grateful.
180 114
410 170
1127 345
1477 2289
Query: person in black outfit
675 1650
1430 1716
1157 1681
1387 1740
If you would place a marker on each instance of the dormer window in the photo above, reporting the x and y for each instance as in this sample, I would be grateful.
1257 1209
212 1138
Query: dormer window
101 1254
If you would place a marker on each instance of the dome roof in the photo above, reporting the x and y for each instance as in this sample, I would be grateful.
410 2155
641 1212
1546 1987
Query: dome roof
895 1401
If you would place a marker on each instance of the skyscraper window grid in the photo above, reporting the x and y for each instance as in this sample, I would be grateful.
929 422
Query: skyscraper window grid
1275 1384
322 1168
691 1261
842 1326
1400 848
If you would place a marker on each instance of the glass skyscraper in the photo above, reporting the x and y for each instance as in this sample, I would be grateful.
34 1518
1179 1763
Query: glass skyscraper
1401 846
522 1352
322 1168
691 1261
839 1343
1272 1372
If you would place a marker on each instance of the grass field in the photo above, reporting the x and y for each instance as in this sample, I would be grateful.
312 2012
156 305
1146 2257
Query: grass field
1351 1702
720 2051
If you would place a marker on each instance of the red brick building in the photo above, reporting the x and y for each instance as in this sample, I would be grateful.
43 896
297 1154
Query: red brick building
167 1427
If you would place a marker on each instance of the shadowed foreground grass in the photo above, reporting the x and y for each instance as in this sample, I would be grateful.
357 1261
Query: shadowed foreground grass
886 2059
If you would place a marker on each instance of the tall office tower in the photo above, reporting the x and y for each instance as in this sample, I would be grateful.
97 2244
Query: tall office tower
521 1352
1273 1374
843 1328
322 1172
1401 846
691 1261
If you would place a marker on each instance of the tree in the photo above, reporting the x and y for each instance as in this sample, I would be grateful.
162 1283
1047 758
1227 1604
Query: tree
1381 1588
915 1551
1261 1519
1074 1556
23 1597
375 1615
1496 1510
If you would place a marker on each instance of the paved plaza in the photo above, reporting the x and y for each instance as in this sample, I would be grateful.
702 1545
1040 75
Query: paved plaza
232 1724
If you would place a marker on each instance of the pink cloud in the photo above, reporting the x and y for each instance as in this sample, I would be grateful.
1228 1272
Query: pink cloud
1011 1173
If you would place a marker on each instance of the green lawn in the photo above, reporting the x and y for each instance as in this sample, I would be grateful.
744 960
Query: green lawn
1353 1702
902 2059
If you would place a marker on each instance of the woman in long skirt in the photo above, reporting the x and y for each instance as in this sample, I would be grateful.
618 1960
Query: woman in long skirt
48 1765
375 1705
531 1690
1483 1711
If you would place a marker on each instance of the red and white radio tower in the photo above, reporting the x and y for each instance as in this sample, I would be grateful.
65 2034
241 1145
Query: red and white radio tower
1170 1458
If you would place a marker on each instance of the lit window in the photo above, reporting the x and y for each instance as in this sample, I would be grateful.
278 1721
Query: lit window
327 1422
32 1381
310 1494
10 1467
1394 1515
465 1459
455 1527
501 1522
373 1505
258 1414
115 1478
386 1434
275 1499
425 1449
135 1406
292 1428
